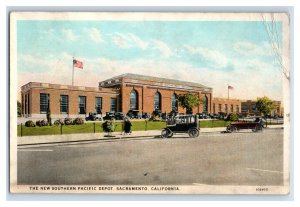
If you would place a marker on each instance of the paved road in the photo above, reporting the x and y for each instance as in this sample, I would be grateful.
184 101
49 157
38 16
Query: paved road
244 158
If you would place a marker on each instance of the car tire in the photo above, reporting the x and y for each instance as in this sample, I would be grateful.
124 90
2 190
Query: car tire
193 132
165 133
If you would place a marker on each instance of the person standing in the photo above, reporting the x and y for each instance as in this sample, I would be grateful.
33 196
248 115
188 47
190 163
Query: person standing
127 126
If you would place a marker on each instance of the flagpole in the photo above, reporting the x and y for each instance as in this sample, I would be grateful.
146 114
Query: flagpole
73 72
228 91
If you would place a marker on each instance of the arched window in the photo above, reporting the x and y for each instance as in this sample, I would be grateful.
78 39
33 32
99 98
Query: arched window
205 104
133 100
157 101
174 101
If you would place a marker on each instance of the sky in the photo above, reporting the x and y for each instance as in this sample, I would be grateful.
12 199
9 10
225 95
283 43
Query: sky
212 53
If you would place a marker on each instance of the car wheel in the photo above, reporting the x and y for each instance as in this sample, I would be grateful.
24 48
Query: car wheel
234 129
229 129
170 135
165 133
193 132
255 129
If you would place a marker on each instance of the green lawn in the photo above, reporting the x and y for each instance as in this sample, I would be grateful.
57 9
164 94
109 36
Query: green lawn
87 128
97 127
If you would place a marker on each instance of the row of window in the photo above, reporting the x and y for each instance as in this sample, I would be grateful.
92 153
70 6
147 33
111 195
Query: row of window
157 101
64 104
237 108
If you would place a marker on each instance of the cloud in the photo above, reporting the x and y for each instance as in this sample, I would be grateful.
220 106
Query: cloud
253 79
120 41
69 34
129 40
213 57
246 48
164 49
94 34
137 41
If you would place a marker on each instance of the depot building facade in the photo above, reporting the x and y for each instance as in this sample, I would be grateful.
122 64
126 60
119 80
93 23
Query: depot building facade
123 93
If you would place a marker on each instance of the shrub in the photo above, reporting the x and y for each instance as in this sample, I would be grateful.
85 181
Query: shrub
78 121
29 123
108 126
59 122
41 123
68 121
232 117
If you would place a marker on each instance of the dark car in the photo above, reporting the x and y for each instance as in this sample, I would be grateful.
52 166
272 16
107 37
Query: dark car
182 124
119 116
133 114
92 116
146 116
109 116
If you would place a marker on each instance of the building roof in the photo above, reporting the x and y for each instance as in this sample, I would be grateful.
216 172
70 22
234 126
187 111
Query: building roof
156 79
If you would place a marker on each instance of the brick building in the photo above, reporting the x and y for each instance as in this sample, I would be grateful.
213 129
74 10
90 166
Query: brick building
249 108
121 93
65 100
226 106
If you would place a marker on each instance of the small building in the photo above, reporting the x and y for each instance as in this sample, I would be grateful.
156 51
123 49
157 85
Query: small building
249 108
64 101
226 106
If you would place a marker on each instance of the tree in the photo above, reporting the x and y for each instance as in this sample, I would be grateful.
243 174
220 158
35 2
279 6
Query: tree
188 102
19 108
264 105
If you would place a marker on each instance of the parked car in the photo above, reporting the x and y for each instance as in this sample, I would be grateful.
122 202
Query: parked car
119 115
203 116
182 124
146 116
134 114
256 125
109 116
93 116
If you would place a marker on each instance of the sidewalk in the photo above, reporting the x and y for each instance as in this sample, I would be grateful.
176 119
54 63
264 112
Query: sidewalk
31 140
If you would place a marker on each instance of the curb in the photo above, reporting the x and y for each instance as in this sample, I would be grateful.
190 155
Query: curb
85 140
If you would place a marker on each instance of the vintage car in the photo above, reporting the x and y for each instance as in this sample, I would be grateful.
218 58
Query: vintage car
93 116
181 124
119 115
255 126
109 116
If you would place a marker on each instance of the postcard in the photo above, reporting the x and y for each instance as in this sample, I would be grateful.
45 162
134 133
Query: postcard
149 103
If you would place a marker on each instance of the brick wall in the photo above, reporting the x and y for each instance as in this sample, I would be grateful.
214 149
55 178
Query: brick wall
223 102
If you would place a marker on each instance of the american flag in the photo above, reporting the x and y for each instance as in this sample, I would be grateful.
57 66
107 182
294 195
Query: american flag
77 64
230 87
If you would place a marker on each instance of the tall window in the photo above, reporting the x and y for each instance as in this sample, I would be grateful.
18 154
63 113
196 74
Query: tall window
64 104
157 101
44 102
214 108
133 100
231 108
28 100
98 105
174 102
82 105
113 104
237 109
220 108
226 108
205 104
